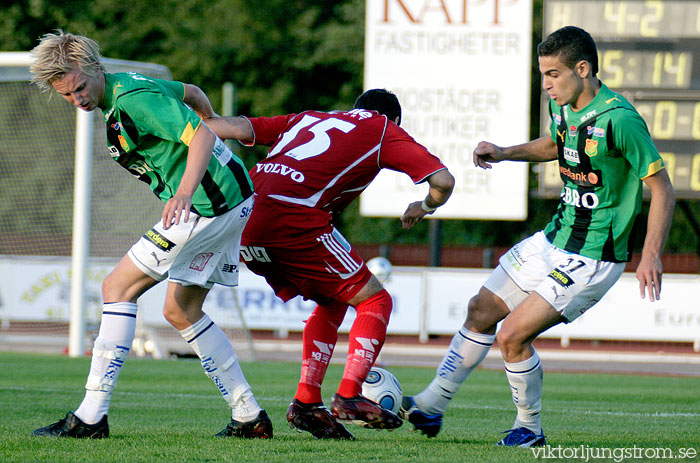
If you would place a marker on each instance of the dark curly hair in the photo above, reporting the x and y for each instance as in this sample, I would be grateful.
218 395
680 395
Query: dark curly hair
572 44
382 101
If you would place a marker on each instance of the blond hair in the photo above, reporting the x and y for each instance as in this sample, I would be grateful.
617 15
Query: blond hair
60 53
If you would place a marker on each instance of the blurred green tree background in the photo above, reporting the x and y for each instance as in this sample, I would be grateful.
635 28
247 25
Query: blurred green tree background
283 56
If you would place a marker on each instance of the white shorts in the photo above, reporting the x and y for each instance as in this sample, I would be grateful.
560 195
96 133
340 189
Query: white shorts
199 252
571 283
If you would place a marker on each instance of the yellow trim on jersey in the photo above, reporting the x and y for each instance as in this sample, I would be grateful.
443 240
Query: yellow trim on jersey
654 167
189 132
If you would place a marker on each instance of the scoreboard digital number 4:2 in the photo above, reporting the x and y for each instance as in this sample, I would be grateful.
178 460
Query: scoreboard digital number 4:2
650 52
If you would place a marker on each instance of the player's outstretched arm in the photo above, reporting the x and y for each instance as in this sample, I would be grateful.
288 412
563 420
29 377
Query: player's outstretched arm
539 150
663 200
441 185
236 128
231 128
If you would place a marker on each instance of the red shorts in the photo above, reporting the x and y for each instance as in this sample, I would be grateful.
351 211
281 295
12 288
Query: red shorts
321 269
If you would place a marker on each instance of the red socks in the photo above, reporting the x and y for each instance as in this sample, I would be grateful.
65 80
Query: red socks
320 336
367 337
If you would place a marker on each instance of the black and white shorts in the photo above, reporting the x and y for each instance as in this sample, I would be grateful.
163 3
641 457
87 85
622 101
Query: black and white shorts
201 251
571 283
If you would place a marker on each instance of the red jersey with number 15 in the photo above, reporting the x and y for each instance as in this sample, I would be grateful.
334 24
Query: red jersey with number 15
318 164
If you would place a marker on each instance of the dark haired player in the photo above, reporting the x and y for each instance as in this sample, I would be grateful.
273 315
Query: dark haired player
605 155
319 162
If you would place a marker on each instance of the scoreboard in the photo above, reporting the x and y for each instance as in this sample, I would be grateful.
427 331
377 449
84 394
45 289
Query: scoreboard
649 51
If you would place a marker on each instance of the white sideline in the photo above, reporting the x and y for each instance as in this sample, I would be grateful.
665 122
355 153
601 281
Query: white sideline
424 352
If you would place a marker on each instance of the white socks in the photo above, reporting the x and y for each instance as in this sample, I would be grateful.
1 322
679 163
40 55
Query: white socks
467 350
221 365
108 356
526 384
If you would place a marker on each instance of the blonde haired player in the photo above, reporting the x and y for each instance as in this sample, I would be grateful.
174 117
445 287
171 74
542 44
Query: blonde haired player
153 132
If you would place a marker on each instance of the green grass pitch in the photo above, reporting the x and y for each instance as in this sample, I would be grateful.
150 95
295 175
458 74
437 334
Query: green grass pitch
168 411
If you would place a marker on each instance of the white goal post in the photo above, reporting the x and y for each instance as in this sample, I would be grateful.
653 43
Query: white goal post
81 208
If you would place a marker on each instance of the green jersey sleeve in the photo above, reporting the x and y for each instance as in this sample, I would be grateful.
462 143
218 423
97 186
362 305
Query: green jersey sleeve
161 114
636 145
177 88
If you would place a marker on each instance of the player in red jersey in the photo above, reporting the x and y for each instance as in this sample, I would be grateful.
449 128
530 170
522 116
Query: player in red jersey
319 162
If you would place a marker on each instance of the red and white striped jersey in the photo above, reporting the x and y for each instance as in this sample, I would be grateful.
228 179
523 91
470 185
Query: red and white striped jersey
319 163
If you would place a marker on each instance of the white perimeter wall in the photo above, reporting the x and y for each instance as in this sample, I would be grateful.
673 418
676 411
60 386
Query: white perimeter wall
427 301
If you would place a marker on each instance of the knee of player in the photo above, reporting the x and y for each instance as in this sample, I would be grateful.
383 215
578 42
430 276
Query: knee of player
509 339
110 289
475 307
480 315
374 286
175 317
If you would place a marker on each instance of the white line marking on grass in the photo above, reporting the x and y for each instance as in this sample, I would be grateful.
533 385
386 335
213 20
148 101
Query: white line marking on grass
637 414
214 395
592 412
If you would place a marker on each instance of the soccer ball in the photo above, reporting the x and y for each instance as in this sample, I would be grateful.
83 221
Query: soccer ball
381 386
380 268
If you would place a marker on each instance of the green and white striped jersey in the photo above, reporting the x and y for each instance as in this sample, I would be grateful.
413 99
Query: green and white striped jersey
604 151
149 129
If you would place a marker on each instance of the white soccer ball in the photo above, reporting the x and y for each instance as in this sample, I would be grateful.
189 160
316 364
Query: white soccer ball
381 386
380 268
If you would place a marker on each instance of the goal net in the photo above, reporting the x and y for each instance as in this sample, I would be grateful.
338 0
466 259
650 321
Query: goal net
37 159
